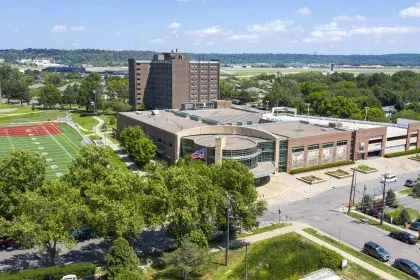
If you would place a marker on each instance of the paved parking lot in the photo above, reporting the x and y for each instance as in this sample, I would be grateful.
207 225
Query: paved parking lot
410 202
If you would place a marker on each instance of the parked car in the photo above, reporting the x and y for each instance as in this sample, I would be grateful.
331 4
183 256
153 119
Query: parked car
372 249
410 182
389 179
408 267
48 277
69 277
6 242
415 225
404 237
81 234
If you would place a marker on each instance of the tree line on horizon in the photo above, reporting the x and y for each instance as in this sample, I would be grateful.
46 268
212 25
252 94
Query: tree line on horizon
98 57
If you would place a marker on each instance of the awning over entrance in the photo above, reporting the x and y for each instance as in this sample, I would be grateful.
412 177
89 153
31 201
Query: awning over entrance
263 169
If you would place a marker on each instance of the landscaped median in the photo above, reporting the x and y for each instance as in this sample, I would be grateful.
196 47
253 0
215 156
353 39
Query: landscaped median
311 179
321 166
363 168
339 173
403 153
379 265
372 222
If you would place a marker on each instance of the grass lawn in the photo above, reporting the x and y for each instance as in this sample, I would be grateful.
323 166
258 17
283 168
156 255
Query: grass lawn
288 256
14 109
414 214
407 191
398 274
372 222
37 116
85 120
264 229
365 169
58 149
115 159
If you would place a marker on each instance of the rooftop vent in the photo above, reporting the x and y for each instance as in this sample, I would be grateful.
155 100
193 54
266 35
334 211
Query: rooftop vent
155 112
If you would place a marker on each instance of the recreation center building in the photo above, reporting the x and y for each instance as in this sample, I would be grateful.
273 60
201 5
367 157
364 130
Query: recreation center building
268 142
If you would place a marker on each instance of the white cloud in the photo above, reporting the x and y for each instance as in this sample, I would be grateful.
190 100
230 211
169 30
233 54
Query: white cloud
244 37
304 11
327 27
75 44
214 30
297 28
270 26
210 43
383 30
158 41
349 18
253 41
65 28
196 43
174 25
413 11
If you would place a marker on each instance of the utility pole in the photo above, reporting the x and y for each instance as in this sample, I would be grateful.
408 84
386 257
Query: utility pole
383 200
354 187
351 191
246 260
363 198
227 228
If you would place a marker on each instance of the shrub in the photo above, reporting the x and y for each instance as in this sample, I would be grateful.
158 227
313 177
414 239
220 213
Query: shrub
112 121
121 257
404 217
391 199
416 190
129 275
367 203
321 166
329 258
403 153
79 269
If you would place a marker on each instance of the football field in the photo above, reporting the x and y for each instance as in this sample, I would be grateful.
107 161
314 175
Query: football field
58 142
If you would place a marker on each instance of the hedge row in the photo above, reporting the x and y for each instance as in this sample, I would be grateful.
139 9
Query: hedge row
403 153
79 269
321 166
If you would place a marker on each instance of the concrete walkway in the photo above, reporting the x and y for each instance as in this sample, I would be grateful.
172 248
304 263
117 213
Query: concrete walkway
298 228
124 157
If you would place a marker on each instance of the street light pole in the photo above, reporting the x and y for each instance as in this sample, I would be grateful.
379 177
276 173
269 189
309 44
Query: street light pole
246 260
266 106
366 108
383 200
308 104
227 229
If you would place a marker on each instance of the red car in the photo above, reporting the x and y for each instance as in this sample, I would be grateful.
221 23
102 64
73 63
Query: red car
6 242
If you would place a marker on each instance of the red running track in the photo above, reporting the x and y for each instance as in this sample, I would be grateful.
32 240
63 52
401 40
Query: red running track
30 130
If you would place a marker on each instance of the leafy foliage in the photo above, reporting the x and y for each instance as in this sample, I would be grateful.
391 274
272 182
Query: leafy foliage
416 190
321 166
188 257
391 199
140 148
121 258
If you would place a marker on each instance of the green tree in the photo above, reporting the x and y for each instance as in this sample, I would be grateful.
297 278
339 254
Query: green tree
55 79
45 216
376 115
14 85
391 199
140 148
416 190
118 87
300 105
69 96
90 86
404 217
129 275
188 257
121 258
338 107
367 203
227 89
49 95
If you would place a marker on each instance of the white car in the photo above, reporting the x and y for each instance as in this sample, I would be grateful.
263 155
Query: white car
389 179
69 277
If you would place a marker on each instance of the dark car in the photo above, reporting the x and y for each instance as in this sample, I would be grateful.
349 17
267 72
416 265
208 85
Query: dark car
6 242
372 249
48 277
410 182
408 267
81 234
404 237
415 226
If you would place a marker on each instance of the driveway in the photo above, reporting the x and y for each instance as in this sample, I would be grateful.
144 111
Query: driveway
321 211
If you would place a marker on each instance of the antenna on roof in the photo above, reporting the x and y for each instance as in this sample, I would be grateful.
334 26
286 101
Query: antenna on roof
172 50
176 50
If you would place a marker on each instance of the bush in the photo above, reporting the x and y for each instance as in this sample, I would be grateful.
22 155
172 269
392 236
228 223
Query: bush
404 217
129 275
391 199
321 166
416 190
112 121
79 269
403 153
367 203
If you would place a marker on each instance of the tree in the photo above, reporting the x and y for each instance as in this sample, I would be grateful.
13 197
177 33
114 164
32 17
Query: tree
121 258
188 257
227 89
129 275
118 87
416 190
376 115
69 96
391 199
55 79
140 148
404 217
338 107
367 203
49 95
13 83
300 105
45 216
90 86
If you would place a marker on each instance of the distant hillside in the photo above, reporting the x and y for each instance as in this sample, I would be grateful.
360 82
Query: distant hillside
119 58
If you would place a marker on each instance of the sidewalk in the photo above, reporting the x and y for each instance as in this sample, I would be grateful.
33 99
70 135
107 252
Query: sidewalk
124 157
298 228
284 187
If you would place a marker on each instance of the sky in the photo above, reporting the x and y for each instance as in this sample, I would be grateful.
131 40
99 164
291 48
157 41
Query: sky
220 26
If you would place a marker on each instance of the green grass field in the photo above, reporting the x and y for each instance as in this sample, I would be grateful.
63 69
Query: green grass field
59 149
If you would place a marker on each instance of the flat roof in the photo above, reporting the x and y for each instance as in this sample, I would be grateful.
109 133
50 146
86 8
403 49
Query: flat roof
295 129
227 116
233 142
164 120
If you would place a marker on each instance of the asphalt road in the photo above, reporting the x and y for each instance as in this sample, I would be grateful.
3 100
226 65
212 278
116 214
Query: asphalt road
321 211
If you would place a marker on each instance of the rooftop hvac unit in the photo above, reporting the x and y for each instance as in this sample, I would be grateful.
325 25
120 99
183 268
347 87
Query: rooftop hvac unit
155 112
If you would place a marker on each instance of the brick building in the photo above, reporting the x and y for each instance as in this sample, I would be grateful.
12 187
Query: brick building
170 79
